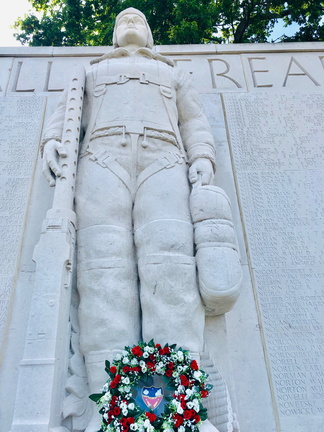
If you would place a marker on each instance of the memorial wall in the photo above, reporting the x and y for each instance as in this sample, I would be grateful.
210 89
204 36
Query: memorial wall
266 108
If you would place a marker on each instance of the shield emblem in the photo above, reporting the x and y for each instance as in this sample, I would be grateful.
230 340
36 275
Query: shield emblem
152 396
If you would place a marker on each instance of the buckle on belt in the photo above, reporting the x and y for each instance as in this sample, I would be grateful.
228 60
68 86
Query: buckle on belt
143 79
122 79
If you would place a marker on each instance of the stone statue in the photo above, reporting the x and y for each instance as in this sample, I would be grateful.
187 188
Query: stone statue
142 126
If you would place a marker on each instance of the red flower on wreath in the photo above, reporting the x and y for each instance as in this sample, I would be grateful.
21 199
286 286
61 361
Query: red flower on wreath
151 416
137 351
194 365
116 411
151 366
189 414
196 419
124 423
114 401
115 381
168 373
178 420
165 350
204 393
184 380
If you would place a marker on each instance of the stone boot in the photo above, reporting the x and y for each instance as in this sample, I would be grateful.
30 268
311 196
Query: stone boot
97 376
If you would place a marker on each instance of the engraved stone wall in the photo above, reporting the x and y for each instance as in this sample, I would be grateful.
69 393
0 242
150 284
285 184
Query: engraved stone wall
276 134
20 125
278 157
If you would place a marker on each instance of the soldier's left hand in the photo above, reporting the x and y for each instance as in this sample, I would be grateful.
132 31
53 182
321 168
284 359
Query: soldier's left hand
201 169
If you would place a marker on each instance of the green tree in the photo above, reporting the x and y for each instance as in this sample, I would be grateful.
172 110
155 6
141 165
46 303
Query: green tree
253 20
90 22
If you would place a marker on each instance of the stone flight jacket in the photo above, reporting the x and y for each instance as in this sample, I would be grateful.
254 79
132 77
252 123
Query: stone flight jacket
140 93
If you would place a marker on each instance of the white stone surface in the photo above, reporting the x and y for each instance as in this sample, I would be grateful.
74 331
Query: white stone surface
280 177
20 127
6 64
244 335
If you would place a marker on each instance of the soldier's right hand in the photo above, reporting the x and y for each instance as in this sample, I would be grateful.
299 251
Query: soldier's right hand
53 151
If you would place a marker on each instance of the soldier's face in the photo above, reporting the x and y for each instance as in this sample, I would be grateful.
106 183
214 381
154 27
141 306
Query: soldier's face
131 30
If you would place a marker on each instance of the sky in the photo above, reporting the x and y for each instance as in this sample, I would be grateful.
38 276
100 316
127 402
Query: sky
17 8
10 12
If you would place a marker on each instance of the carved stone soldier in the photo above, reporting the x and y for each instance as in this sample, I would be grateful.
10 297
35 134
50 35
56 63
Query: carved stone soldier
145 139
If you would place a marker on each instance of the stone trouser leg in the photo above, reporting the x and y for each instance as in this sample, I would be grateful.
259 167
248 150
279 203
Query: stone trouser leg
107 278
95 365
171 306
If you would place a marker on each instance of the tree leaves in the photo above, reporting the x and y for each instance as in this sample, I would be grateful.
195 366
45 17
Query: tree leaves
91 22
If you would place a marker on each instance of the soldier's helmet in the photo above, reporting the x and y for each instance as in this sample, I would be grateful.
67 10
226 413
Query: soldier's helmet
131 10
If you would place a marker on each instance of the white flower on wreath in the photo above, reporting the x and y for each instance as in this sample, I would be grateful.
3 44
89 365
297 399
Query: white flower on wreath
134 362
146 354
175 403
131 406
147 423
197 374
189 392
196 405
134 426
105 388
125 380
180 410
125 412
118 357
124 389
180 355
106 397
125 360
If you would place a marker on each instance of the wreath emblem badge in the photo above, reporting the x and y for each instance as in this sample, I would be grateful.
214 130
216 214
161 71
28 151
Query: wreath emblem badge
152 396
153 389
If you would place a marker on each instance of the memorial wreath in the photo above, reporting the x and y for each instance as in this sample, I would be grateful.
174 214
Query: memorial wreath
186 383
